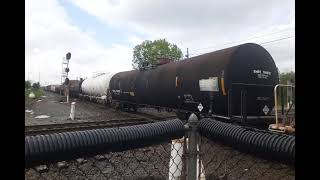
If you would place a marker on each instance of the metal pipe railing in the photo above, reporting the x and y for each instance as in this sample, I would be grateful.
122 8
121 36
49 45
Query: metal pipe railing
276 101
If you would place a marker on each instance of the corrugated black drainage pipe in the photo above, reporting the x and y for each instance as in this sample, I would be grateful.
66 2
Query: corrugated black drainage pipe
43 149
279 147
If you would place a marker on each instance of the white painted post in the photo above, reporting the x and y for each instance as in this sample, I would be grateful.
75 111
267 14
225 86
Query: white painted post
73 108
175 166
200 168
288 97
67 98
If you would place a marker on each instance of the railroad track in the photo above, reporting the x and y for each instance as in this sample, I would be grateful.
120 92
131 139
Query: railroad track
150 117
84 125
144 115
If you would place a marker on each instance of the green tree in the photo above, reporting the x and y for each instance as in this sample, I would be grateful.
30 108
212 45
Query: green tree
36 85
27 84
285 77
149 52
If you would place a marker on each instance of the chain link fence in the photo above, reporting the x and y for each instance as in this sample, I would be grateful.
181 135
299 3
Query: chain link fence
168 160
219 161
143 163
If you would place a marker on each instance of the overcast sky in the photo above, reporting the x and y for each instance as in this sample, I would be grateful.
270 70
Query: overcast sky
101 34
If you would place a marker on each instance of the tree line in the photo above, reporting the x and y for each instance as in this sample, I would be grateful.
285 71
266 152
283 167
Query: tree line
29 85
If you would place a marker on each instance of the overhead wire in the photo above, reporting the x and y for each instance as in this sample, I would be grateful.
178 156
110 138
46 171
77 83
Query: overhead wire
263 43
254 37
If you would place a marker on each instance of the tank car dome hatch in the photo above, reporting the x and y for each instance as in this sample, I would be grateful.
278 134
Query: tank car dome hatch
162 61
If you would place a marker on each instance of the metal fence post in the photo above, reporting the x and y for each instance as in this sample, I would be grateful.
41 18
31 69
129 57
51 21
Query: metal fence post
192 148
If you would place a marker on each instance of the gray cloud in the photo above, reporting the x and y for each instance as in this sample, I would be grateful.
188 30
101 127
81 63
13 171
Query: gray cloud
50 34
201 24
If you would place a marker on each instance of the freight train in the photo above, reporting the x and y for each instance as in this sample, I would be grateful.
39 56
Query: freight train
235 83
53 88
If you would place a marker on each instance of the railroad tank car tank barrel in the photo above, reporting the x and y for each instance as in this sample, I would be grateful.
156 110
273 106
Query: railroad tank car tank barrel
247 66
96 86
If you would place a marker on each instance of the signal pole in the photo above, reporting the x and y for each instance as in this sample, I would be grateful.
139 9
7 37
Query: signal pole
187 53
39 75
64 76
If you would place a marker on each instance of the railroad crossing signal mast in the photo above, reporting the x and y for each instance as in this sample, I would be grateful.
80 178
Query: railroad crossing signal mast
64 77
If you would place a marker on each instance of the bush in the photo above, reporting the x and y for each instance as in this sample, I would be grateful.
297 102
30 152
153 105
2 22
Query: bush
27 84
36 85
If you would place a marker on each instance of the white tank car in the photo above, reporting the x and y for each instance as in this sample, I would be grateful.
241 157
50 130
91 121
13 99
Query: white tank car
96 86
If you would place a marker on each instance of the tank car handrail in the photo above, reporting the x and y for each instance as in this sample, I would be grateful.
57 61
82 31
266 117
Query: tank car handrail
255 117
275 101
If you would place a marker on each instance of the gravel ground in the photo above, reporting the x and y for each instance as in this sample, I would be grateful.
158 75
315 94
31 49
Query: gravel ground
59 112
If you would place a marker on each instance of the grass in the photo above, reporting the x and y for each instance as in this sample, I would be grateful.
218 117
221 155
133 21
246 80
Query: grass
29 101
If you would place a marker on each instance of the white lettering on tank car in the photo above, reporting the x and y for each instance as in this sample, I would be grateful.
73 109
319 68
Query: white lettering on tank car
262 98
116 92
257 71
262 74
267 72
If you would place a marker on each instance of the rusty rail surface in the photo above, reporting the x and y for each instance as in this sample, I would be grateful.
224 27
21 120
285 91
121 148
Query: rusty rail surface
84 125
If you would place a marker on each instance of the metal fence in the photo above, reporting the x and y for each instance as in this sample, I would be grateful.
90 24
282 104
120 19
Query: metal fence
219 161
192 157
144 163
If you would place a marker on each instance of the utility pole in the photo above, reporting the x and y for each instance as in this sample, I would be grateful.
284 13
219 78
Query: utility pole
289 94
39 75
187 53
